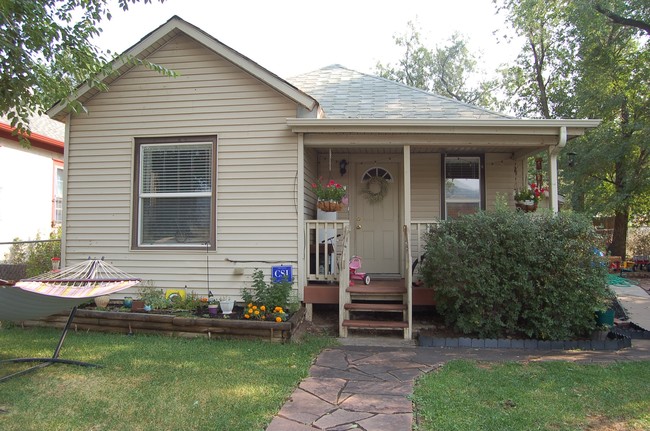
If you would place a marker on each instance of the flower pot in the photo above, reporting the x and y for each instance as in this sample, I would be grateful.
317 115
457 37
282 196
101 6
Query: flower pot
213 309
329 206
605 318
526 206
102 301
137 305
227 306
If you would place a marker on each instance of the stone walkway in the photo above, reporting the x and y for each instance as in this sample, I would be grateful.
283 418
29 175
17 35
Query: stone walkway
368 387
636 302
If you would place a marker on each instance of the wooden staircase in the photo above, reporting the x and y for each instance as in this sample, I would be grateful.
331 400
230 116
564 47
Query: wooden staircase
381 305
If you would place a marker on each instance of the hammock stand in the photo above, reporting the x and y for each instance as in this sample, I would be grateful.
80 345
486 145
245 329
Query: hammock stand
73 285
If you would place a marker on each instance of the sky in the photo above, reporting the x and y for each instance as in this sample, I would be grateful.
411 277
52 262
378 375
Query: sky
291 37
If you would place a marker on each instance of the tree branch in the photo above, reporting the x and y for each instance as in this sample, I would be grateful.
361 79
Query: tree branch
618 19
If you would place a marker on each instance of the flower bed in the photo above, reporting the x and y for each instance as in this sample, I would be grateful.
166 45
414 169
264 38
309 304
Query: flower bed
173 325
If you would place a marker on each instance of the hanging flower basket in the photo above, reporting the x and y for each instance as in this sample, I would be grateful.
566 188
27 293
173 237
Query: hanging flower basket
330 206
528 206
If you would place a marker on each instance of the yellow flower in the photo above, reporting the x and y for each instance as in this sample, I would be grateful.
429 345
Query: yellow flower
254 307
250 310
278 319
263 317
250 305
257 312
278 309
263 308
246 316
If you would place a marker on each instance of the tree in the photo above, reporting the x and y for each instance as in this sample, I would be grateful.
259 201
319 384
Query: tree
446 71
632 13
46 52
579 62
539 83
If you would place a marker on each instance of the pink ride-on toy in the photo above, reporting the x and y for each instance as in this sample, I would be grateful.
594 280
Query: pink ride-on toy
355 265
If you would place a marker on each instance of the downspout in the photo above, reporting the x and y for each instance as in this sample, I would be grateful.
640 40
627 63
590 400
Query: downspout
553 152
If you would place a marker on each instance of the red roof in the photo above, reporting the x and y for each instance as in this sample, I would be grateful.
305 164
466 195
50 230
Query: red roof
35 139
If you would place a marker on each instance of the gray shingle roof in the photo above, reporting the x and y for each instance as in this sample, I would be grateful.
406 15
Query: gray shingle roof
345 93
43 125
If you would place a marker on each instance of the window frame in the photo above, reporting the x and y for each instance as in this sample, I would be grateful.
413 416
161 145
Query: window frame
443 172
57 167
137 172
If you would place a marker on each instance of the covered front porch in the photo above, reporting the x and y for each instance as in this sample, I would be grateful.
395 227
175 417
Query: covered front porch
422 172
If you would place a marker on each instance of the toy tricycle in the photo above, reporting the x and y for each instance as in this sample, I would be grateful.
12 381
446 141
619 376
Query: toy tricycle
355 265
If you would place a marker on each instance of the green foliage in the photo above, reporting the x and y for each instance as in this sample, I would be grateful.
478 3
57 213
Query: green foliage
639 242
443 70
46 52
154 297
271 295
590 59
509 273
37 256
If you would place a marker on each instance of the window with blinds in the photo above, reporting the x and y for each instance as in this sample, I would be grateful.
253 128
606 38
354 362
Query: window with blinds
175 193
462 185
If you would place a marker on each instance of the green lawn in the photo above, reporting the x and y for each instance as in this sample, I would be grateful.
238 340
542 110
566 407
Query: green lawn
162 383
553 396
149 382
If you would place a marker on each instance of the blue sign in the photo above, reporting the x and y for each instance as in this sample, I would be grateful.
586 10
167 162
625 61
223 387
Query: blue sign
282 272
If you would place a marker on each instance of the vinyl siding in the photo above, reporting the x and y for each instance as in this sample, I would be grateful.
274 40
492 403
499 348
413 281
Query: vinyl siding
256 169
425 186
499 178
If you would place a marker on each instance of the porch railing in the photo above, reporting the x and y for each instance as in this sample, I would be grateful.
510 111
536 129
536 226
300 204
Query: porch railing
326 241
417 237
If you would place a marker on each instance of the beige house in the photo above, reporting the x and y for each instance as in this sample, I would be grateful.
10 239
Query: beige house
195 181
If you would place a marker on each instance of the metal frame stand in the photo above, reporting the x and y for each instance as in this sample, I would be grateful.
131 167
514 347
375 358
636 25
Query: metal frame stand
48 361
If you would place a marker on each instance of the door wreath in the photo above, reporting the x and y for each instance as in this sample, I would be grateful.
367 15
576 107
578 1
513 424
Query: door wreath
376 189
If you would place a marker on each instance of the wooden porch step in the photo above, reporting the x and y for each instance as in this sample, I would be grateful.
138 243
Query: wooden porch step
374 324
376 290
359 306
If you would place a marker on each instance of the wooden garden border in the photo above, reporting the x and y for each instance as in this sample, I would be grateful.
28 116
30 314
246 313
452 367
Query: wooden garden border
163 324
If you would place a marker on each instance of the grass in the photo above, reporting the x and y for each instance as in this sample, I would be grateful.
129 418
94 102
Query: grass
149 382
553 396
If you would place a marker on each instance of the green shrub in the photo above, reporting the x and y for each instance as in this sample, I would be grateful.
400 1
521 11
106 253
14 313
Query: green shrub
37 256
271 295
509 273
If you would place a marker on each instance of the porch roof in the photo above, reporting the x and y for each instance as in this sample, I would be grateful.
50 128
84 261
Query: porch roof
519 136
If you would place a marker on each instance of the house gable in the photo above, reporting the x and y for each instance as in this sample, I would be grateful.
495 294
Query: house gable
256 165
163 34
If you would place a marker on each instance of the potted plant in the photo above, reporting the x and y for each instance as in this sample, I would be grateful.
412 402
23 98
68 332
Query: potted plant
213 305
527 199
226 305
330 196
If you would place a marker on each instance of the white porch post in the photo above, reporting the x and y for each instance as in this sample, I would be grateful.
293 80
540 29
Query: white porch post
301 273
408 276
552 169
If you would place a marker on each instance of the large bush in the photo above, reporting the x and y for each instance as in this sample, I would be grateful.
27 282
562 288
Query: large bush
508 273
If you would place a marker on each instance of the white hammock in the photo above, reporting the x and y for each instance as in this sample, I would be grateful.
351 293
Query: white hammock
57 291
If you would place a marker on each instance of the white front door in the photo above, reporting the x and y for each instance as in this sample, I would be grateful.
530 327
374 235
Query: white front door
375 219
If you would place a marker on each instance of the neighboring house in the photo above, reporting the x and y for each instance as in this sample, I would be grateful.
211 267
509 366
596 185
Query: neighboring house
31 181
204 177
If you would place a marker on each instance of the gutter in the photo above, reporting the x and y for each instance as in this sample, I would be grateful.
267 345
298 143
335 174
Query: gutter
35 139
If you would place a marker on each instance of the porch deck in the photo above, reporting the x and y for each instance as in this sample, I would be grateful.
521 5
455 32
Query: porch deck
328 293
